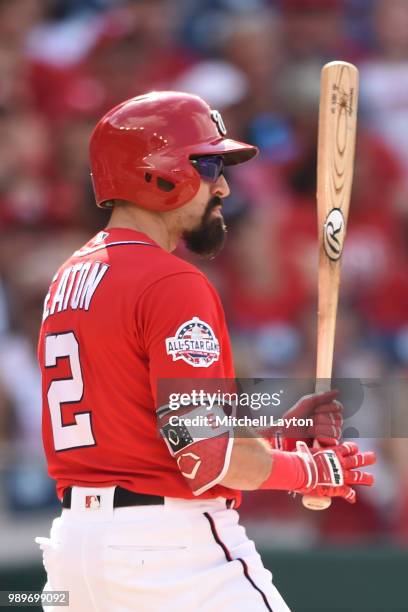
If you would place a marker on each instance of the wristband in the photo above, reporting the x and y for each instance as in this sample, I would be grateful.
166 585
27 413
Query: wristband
287 474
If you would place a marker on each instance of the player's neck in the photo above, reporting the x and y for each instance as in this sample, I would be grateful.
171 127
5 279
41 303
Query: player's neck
149 223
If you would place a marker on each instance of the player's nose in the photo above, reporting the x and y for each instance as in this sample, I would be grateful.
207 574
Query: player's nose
221 187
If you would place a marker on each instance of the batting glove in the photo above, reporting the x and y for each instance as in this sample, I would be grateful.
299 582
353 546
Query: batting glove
326 413
332 471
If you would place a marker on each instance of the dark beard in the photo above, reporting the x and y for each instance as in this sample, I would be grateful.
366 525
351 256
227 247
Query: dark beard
208 238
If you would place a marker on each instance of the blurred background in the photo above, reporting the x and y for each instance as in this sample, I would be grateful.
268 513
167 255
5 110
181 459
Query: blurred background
63 63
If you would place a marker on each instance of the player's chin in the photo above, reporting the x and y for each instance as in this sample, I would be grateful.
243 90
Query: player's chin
209 238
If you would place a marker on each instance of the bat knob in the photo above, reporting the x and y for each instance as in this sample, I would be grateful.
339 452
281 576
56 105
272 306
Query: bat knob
316 503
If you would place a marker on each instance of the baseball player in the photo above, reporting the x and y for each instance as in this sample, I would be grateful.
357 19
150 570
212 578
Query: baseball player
148 521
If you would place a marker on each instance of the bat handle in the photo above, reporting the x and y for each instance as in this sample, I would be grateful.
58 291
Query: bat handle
313 502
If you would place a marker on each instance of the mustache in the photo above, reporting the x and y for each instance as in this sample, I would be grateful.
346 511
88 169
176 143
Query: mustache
213 203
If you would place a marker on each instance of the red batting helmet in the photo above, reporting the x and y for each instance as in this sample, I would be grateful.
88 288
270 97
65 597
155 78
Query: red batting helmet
140 150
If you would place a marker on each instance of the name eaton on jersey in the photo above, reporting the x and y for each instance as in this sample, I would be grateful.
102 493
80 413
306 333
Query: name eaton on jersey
76 287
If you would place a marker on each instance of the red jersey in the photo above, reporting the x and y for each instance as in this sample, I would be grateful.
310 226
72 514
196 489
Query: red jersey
111 321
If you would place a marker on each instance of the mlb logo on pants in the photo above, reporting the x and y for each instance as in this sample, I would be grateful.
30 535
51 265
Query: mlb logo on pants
92 501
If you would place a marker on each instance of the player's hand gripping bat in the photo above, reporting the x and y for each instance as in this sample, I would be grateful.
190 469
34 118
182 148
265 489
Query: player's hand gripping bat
336 145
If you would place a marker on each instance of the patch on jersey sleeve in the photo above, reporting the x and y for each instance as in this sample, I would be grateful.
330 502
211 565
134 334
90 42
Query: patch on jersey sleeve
195 343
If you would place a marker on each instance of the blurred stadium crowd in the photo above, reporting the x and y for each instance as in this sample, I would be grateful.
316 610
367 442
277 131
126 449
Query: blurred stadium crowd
63 63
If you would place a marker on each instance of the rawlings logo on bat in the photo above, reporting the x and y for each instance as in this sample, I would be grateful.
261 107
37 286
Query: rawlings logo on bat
334 231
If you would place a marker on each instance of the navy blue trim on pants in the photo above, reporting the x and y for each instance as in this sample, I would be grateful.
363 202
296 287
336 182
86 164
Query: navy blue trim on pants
229 558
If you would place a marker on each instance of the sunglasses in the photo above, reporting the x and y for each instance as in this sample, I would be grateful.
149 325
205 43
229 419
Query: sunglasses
209 167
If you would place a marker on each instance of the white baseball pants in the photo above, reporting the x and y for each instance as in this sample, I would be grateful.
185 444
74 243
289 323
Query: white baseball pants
183 556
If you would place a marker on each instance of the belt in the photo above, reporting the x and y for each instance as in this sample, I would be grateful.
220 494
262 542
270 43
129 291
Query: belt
122 498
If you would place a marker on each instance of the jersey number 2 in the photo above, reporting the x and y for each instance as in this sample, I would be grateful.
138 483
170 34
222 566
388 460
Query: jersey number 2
67 391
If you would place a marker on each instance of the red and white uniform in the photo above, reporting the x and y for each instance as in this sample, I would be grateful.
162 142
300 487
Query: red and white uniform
143 297
121 314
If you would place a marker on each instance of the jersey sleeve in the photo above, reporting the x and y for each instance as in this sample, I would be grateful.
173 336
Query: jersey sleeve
182 325
182 329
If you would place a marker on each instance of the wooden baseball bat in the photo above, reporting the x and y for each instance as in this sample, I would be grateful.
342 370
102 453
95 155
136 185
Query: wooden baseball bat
335 162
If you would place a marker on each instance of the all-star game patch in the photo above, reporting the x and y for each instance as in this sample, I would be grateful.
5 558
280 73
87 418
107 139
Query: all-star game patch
195 343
